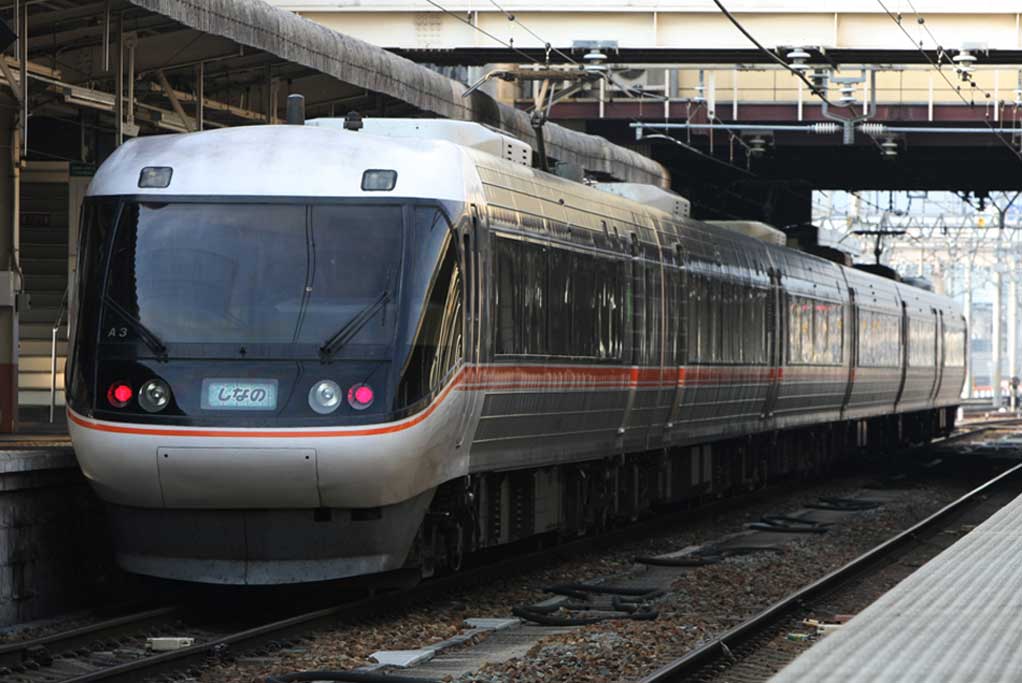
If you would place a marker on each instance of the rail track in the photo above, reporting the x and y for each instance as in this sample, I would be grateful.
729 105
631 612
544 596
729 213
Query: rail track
743 654
114 650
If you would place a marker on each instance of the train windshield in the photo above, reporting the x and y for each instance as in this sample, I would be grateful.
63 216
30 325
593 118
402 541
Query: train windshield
217 273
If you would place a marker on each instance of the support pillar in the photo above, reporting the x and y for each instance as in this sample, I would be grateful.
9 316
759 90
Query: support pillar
967 314
8 312
995 354
1012 349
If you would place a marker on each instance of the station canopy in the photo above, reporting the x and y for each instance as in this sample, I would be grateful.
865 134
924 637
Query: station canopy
240 59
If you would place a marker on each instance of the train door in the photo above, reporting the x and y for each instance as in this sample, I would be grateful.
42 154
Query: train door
851 337
775 339
939 358
677 336
635 311
658 355
904 352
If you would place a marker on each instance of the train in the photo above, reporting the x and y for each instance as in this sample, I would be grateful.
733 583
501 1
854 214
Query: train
311 352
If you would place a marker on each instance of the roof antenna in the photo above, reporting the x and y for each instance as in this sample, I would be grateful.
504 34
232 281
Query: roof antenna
296 110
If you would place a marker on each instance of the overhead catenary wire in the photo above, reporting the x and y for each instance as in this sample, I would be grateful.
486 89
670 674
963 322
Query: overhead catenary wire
813 88
486 33
921 20
957 89
547 44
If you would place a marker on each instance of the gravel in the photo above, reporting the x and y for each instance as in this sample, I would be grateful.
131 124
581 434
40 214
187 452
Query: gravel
704 602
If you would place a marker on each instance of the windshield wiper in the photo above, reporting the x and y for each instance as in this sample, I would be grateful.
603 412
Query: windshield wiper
147 336
348 331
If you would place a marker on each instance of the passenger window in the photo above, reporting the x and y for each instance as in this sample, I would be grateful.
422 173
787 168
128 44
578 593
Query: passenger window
439 346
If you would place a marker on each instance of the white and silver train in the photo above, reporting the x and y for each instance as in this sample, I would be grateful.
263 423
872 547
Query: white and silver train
304 352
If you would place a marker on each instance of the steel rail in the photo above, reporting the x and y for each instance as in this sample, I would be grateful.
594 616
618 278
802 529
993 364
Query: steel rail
13 654
721 647
354 610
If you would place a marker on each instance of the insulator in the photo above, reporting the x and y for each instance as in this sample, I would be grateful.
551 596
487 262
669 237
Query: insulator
797 59
873 129
963 64
595 61
757 145
827 128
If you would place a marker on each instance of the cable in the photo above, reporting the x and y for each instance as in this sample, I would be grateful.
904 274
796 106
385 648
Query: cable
486 33
549 47
957 89
812 86
921 20
696 150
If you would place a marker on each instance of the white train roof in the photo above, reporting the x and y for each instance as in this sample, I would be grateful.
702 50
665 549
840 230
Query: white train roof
285 161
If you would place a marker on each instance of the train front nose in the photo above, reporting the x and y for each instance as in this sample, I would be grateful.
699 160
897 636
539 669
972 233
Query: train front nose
254 506
263 391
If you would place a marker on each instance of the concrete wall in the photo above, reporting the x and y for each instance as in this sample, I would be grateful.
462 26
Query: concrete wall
54 552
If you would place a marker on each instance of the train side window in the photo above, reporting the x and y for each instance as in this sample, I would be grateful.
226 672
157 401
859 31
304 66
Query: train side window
693 338
610 309
556 302
954 348
561 304
439 345
703 321
879 339
758 336
98 216
714 317
679 307
652 317
585 304
922 344
508 298
534 286
815 331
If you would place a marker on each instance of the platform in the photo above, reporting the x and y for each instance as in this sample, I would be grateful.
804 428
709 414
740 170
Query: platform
54 552
953 620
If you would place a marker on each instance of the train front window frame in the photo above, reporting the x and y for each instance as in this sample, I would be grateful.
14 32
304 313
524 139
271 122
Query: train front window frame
313 257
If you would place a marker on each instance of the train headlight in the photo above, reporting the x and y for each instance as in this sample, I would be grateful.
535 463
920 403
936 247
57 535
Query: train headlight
325 396
154 395
155 176
360 396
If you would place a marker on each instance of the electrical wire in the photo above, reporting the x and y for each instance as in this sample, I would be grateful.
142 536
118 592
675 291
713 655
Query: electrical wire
486 33
547 44
813 88
957 89
921 20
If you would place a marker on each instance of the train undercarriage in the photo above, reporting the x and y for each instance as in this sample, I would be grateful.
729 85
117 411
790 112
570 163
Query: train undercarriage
495 508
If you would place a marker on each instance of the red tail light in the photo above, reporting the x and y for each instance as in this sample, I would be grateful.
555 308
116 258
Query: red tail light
360 396
119 394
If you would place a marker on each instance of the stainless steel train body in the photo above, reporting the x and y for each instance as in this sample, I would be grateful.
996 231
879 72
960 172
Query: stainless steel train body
513 329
